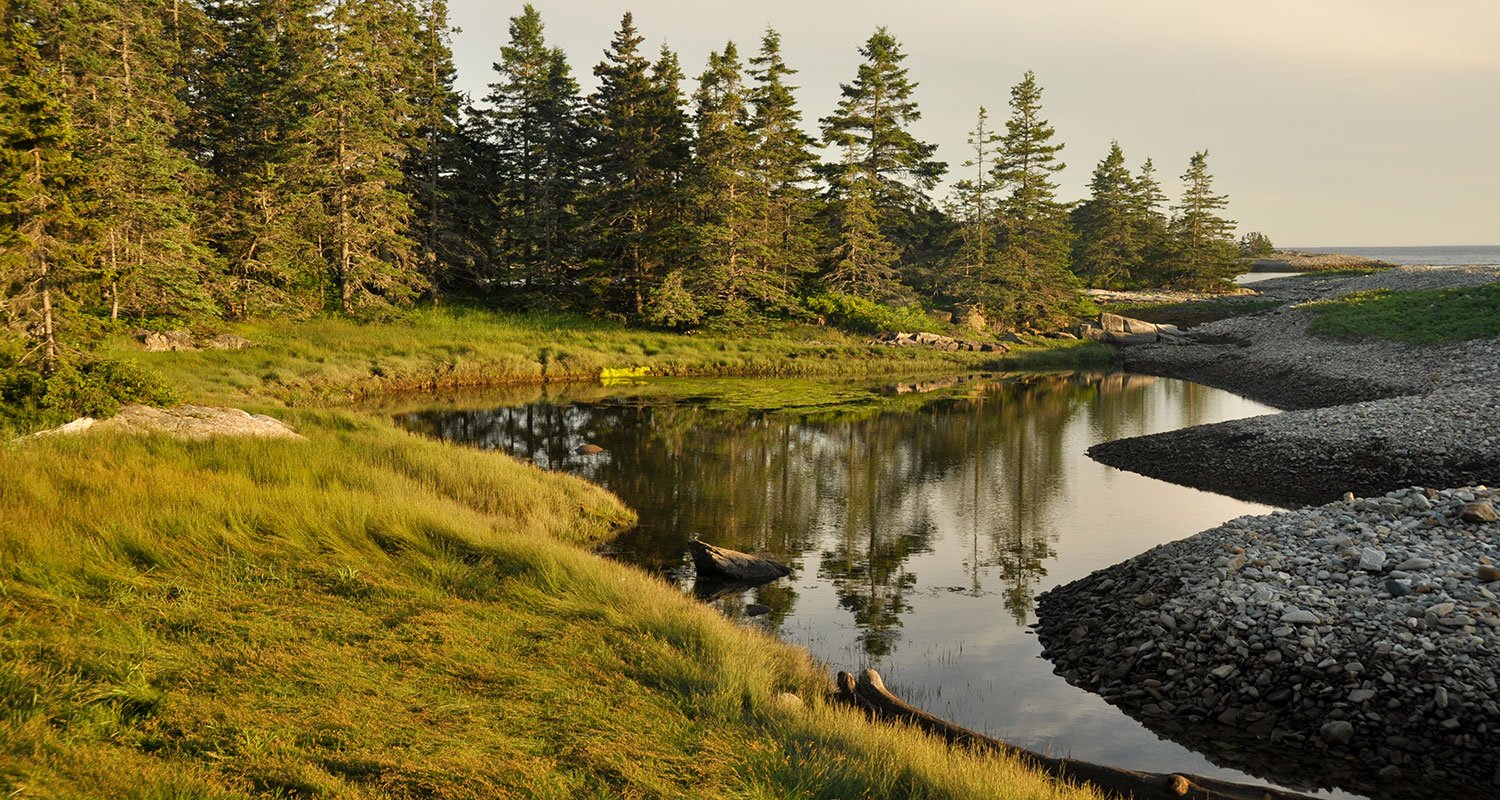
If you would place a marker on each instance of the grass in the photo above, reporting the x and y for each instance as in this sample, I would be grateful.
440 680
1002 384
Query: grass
372 614
332 360
1427 316
1193 312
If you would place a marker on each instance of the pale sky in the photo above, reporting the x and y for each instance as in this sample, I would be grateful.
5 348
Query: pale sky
1328 122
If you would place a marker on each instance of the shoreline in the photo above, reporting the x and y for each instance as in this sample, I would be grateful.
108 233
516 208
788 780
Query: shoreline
1331 643
1366 416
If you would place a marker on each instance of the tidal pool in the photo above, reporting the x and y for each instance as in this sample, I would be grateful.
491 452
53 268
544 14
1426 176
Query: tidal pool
921 517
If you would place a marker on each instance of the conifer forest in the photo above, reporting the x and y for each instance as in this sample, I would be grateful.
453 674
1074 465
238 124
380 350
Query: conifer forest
191 160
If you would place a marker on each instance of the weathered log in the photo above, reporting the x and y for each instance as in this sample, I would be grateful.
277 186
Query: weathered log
869 693
722 562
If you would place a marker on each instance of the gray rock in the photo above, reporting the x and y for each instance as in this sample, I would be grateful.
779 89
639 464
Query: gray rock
1299 616
1337 732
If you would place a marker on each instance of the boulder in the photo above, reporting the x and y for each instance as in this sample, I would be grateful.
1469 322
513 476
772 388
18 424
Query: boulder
1127 331
722 562
167 341
183 422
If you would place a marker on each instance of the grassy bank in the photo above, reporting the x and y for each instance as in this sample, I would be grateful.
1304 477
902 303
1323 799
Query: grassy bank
1430 316
371 614
335 360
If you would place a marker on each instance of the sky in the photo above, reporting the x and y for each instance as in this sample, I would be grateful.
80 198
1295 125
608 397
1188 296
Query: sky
1328 122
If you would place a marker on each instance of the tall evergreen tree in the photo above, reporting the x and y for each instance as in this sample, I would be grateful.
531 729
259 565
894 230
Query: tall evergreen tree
728 204
534 108
255 132
1108 249
1203 249
972 207
871 126
782 162
434 152
873 122
39 263
1148 210
1032 282
863 262
368 249
126 106
640 153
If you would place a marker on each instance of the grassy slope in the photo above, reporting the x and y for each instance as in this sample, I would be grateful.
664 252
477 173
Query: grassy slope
1429 316
370 614
330 360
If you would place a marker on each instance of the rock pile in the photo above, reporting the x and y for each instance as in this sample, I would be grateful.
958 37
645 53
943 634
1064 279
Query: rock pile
182 341
1115 329
1367 630
939 342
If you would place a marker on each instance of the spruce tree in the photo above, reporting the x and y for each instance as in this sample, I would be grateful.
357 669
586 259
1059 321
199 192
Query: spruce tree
141 190
39 259
1107 251
434 153
1031 283
640 152
972 207
727 205
255 129
534 110
368 250
863 262
1147 210
1203 251
781 162
871 126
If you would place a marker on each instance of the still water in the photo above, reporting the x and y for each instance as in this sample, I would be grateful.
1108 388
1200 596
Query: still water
921 519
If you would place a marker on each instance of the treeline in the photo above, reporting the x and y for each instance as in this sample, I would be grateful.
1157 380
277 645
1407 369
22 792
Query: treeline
199 159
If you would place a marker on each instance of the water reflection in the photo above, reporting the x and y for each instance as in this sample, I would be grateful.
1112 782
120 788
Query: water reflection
920 519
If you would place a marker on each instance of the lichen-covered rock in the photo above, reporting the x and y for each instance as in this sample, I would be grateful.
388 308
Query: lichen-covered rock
183 422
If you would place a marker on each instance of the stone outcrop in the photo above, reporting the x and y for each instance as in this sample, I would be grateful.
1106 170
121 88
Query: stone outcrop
182 422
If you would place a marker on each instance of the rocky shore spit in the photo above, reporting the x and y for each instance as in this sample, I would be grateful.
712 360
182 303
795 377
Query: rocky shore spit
1365 416
1354 644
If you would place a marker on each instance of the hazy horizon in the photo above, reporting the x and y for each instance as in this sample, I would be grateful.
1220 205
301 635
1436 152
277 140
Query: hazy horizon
1369 124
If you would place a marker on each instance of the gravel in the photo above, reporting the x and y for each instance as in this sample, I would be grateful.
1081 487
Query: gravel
1365 416
1354 644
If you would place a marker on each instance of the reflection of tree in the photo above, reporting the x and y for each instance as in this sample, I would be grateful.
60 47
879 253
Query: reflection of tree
981 464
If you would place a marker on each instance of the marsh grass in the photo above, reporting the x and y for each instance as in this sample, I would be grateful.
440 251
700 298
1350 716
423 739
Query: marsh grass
1427 316
370 614
327 360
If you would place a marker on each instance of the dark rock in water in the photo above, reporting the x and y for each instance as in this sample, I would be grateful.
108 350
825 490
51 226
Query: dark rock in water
726 563
756 610
588 449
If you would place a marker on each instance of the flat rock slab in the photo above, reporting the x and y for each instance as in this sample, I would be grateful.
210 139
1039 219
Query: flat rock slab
721 562
183 422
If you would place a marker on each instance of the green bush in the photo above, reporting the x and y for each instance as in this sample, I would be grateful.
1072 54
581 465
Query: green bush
94 387
867 316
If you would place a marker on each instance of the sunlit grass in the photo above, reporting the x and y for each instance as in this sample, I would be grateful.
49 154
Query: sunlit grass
370 614
1428 316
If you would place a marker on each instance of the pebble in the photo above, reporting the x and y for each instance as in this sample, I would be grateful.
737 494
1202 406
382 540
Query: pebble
1404 648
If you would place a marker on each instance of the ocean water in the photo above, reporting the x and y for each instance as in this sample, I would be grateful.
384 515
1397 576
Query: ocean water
1441 255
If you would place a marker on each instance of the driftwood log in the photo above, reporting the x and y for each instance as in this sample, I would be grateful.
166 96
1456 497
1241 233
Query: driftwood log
721 562
869 693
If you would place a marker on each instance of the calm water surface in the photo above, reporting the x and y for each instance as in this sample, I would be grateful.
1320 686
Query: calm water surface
921 519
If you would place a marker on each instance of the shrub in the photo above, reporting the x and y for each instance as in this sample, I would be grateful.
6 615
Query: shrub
867 316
